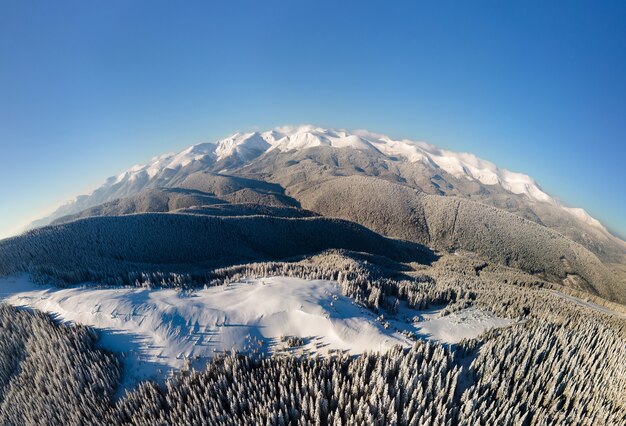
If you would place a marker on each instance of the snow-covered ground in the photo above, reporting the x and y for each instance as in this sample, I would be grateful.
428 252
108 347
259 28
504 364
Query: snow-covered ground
465 324
452 328
156 329
588 304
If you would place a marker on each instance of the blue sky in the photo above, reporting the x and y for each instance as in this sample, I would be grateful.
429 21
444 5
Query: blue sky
89 88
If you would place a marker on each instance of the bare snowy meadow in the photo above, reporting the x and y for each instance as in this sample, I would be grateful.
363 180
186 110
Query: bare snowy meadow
158 330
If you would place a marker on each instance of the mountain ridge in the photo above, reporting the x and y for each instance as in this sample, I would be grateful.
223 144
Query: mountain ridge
240 148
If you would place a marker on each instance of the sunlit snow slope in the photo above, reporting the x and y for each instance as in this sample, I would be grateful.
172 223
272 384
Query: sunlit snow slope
157 329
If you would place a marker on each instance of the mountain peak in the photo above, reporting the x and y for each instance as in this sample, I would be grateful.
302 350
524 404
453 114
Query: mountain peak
241 148
247 146
458 164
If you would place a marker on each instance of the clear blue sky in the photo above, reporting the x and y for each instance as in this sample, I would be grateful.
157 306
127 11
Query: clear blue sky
89 88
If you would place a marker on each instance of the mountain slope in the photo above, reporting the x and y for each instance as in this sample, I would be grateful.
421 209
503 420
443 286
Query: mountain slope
149 200
241 148
102 248
451 223
231 200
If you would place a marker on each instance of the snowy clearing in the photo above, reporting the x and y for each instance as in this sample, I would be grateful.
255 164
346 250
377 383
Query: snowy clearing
156 329
453 328
450 329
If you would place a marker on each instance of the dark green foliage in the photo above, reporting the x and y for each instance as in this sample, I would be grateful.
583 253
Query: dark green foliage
399 387
451 224
51 374
561 363
118 249
542 373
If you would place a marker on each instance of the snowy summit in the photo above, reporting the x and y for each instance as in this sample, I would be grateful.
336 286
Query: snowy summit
244 147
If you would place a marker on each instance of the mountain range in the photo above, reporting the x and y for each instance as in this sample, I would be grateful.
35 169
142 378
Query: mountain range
399 188
312 276
241 148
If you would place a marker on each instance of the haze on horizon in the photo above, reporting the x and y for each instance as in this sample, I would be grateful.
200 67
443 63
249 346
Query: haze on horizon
88 90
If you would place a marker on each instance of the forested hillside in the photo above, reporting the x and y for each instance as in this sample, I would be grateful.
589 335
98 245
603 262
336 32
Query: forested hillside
533 372
111 249
449 223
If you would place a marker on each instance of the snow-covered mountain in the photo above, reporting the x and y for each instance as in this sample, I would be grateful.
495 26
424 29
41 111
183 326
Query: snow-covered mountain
306 241
247 146
241 148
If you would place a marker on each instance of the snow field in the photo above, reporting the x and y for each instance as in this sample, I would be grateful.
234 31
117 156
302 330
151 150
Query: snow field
156 330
